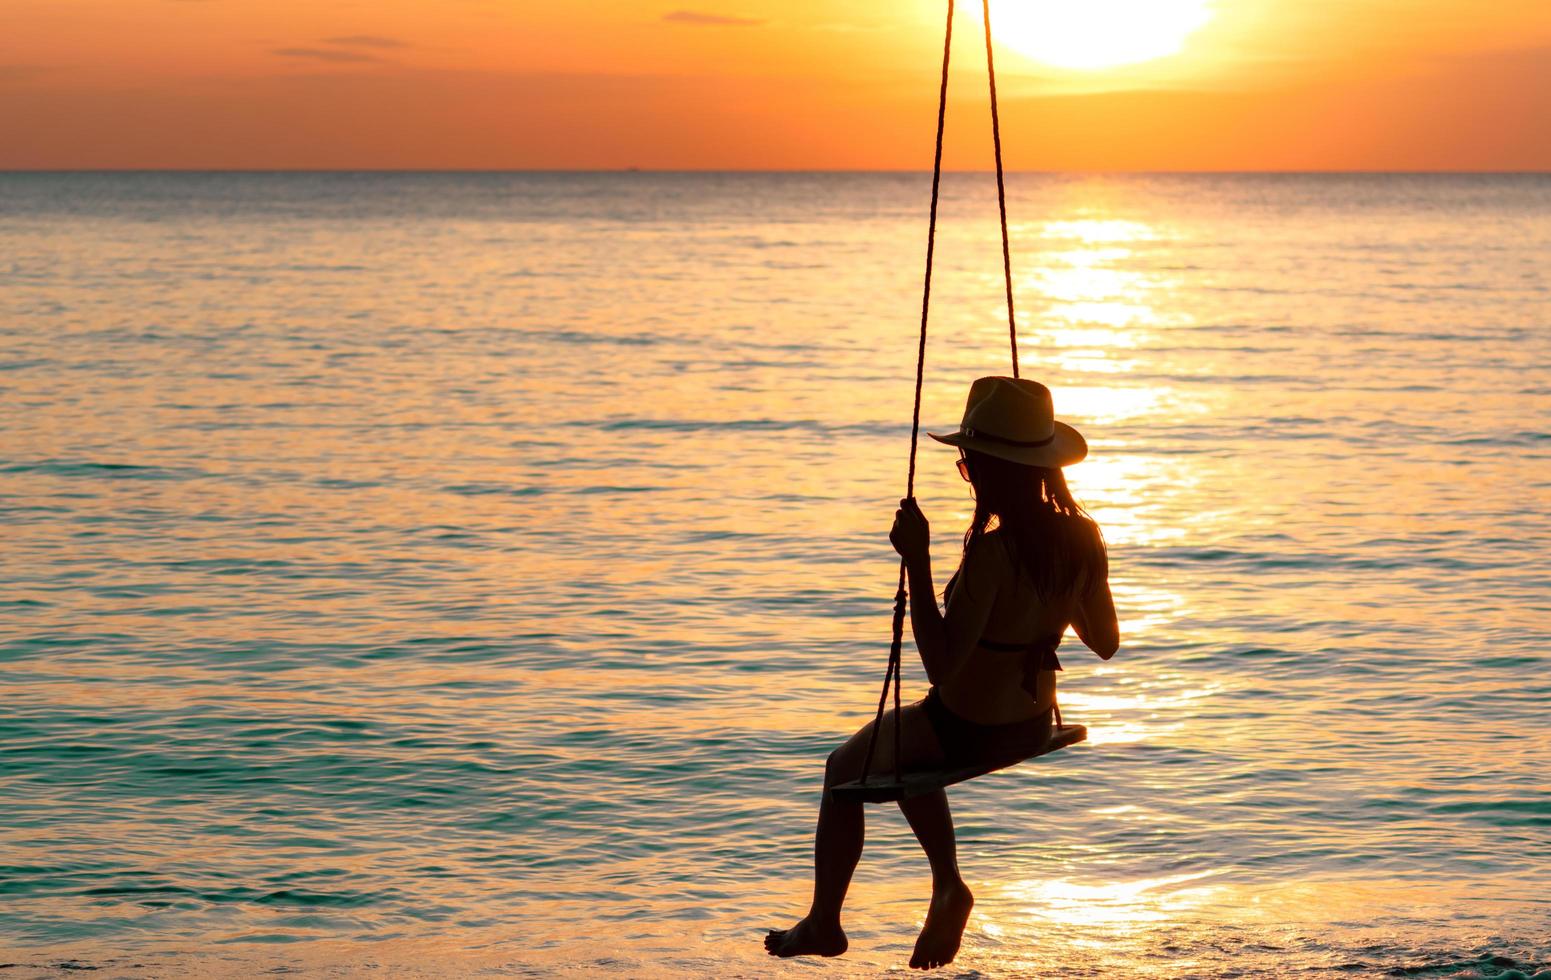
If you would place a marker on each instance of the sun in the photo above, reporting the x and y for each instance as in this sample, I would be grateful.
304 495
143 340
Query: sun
1091 34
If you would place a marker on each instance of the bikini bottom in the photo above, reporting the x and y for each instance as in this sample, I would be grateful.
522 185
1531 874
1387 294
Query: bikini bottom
969 743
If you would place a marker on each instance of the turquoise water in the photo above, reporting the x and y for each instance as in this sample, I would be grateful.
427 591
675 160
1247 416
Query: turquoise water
441 573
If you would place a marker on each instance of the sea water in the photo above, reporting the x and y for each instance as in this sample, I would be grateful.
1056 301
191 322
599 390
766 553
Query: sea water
428 574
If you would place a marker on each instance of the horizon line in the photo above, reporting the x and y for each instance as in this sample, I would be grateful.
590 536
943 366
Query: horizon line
769 172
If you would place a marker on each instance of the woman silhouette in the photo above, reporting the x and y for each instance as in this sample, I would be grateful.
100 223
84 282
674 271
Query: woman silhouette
1033 563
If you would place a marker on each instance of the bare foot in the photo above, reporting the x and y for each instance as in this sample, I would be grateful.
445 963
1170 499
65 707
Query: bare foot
939 941
807 939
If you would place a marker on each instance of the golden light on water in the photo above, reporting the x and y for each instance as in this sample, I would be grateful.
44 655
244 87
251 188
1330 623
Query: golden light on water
1096 230
1107 404
1097 34
1116 903
1088 284
1128 709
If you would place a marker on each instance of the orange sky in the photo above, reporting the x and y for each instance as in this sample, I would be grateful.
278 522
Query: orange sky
757 84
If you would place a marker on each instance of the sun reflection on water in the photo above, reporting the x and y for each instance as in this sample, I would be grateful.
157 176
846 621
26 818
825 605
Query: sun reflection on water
1093 293
1115 903
1098 230
1107 404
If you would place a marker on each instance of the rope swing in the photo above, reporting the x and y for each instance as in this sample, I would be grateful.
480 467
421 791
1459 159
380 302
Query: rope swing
905 785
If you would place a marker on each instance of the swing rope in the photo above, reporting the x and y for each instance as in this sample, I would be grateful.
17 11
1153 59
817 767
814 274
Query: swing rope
1001 190
891 675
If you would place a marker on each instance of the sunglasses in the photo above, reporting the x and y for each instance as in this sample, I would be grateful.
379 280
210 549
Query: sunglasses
964 468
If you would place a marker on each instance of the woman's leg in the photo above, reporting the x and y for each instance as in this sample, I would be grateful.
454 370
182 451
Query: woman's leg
837 843
837 846
932 822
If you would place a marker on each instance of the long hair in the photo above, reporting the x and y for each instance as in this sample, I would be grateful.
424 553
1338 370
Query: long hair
1053 539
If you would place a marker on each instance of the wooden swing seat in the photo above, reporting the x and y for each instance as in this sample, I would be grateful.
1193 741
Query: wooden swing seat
881 789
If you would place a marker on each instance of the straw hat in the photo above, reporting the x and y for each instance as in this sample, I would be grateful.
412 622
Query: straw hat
1012 419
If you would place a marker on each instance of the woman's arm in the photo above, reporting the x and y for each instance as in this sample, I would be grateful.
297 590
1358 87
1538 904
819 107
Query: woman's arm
944 642
1093 616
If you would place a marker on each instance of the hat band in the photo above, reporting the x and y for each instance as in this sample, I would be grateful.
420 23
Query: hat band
969 433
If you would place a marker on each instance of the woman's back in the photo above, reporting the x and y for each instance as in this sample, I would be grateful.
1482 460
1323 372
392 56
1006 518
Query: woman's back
1021 627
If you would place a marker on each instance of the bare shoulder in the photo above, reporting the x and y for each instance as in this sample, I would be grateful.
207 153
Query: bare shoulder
993 552
983 566
988 543
1092 534
1095 558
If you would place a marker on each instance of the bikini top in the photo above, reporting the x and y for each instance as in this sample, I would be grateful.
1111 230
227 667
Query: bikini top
1040 653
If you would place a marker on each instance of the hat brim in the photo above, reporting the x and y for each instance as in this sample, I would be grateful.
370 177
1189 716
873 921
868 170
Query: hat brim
1066 447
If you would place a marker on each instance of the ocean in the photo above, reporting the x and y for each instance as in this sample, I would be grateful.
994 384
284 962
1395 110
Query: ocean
441 574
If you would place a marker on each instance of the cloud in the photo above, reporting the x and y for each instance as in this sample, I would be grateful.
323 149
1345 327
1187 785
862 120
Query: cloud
701 19
328 54
367 41
346 49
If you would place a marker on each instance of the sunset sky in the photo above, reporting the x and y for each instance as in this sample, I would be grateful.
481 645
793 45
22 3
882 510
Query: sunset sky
772 84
